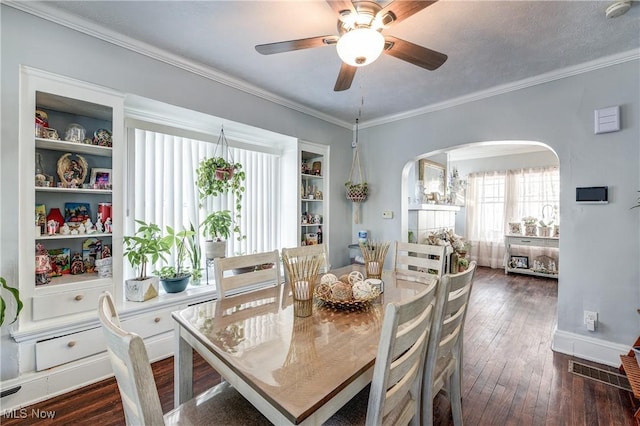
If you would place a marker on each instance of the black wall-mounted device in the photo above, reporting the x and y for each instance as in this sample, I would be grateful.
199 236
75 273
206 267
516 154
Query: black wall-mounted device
593 194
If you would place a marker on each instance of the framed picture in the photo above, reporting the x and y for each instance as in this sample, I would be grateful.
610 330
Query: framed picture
100 177
76 212
519 262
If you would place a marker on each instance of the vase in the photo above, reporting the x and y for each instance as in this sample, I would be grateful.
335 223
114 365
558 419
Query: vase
56 215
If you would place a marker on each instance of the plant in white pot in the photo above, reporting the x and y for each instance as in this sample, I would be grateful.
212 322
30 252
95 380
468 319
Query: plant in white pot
217 228
146 245
174 279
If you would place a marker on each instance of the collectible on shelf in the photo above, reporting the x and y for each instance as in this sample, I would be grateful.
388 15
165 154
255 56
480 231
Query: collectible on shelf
77 265
77 212
90 253
59 260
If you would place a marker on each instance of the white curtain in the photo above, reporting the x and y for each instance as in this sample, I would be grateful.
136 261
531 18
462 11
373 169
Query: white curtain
165 192
496 198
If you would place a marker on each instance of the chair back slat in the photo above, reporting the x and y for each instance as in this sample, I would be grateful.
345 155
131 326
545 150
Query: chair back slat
397 376
131 367
412 261
254 278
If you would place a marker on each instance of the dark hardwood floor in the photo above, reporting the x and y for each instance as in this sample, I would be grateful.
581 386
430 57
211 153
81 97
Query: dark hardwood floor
511 375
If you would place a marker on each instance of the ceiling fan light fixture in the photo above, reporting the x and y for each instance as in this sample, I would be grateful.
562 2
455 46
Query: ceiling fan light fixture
360 46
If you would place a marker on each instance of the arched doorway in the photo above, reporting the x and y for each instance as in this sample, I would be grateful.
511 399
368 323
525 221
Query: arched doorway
430 206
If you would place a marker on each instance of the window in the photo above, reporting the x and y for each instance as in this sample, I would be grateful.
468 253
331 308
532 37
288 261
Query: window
496 198
163 171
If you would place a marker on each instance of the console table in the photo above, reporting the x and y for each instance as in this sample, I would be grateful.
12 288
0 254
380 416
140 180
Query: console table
521 240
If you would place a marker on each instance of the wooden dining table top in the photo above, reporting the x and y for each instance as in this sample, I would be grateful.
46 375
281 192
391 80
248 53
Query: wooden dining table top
297 364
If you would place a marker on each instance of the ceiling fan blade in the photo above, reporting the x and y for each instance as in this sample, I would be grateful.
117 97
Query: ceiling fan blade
345 77
340 6
414 54
289 45
398 11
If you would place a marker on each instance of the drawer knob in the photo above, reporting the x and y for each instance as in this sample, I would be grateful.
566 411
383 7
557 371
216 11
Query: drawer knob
71 344
156 319
79 297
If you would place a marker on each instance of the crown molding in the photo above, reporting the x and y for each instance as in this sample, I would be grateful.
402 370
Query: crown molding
43 11
607 61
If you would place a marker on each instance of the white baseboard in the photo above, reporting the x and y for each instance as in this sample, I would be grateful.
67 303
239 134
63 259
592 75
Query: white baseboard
589 348
39 386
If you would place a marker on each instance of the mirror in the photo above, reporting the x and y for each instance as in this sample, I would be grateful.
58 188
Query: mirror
434 180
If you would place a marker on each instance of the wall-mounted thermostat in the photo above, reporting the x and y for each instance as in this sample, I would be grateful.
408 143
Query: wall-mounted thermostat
593 195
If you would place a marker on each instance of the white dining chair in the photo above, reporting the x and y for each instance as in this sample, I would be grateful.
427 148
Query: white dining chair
221 405
311 250
443 368
254 273
395 393
417 262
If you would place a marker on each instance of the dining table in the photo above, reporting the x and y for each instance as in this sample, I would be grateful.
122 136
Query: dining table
294 370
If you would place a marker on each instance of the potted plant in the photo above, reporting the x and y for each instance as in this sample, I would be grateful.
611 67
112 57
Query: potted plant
15 294
463 264
195 256
218 228
146 245
356 192
216 176
174 279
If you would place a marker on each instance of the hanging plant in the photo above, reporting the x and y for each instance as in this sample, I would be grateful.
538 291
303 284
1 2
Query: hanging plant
356 191
217 176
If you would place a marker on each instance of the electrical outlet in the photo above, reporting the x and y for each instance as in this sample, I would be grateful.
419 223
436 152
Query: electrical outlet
591 320
387 214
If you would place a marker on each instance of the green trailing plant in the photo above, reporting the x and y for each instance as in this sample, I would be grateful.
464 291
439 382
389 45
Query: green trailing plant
195 253
179 241
219 226
15 293
211 182
146 245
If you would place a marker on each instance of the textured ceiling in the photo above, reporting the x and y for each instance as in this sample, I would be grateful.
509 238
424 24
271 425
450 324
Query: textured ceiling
489 44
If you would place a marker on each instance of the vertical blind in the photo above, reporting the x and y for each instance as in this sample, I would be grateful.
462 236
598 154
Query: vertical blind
164 176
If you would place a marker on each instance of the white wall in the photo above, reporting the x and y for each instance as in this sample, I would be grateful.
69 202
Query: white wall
27 40
600 243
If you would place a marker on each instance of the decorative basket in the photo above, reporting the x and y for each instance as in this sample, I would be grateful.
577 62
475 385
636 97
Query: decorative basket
357 194
346 305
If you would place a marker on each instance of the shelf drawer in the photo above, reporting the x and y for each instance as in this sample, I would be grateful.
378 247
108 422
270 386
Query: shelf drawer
61 350
524 241
67 303
150 324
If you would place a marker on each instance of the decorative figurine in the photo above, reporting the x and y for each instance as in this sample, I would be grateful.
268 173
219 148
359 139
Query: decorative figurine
52 227
77 265
89 226
82 229
65 230
107 225
99 227
106 252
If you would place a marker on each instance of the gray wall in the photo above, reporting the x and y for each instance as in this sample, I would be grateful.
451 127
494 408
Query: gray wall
600 243
27 40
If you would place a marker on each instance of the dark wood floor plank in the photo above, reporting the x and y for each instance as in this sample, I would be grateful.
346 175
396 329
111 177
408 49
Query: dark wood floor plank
511 376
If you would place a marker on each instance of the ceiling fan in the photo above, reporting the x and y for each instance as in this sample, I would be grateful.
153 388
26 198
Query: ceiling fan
360 25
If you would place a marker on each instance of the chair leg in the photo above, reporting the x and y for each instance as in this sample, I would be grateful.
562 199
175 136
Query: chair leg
455 395
427 408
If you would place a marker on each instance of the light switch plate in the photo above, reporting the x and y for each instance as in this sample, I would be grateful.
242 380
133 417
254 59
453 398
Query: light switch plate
387 214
